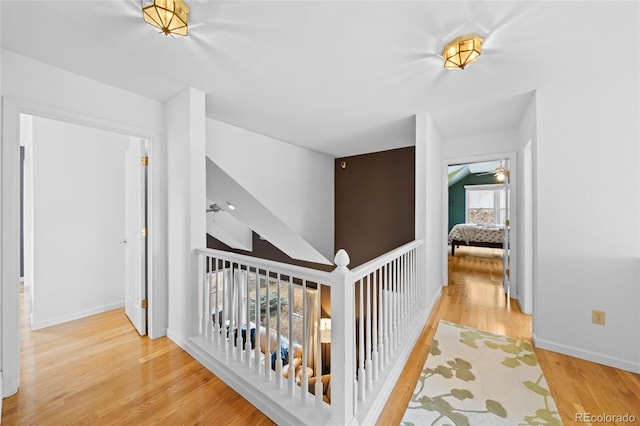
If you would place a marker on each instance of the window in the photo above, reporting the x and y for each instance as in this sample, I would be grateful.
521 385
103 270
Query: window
485 204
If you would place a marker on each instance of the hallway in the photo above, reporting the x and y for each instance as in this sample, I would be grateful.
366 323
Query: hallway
474 297
97 370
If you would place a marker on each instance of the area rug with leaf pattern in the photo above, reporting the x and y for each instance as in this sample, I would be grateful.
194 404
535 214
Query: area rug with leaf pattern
472 377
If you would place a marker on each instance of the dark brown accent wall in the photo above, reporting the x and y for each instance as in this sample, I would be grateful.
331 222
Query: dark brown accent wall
265 250
374 203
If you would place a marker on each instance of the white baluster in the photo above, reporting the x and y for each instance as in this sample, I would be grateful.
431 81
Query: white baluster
374 327
232 310
411 283
388 295
225 307
238 284
362 380
409 286
202 263
403 294
392 307
267 357
423 275
256 347
398 334
279 336
382 323
356 387
318 345
398 307
247 321
414 280
216 318
292 371
304 380
210 276
397 328
368 363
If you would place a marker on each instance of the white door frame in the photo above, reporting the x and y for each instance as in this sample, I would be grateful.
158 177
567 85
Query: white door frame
511 156
10 224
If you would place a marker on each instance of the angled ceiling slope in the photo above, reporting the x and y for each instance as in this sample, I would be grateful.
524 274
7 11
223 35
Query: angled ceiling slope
254 215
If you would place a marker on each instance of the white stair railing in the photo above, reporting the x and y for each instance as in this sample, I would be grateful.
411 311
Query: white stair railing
259 319
259 327
388 307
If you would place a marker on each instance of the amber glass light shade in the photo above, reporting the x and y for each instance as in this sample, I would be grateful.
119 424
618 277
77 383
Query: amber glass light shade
462 51
170 16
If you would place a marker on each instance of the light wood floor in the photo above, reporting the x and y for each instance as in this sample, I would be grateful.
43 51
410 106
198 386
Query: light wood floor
474 297
99 371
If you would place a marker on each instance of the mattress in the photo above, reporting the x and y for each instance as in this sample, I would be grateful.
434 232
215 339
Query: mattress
470 232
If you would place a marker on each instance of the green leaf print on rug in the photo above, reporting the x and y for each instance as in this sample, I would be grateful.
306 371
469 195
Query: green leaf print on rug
472 377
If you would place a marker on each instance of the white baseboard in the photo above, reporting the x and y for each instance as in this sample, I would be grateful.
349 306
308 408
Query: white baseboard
77 315
596 357
434 300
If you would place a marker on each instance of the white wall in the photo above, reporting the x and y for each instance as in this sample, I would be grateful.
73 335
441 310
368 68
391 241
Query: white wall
588 251
78 221
524 192
294 183
429 225
41 84
186 208
480 145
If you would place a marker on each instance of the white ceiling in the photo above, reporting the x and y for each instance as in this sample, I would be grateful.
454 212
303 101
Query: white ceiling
337 77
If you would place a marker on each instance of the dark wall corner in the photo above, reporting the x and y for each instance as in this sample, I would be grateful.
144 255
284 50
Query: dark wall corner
374 203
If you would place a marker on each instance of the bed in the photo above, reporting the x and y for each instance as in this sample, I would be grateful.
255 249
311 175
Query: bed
470 234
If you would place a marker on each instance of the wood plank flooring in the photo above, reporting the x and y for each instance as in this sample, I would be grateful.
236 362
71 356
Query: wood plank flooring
98 371
474 297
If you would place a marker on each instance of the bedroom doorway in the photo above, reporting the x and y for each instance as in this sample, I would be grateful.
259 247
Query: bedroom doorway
74 220
13 130
479 207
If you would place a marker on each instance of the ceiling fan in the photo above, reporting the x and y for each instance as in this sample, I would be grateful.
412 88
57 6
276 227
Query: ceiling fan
499 172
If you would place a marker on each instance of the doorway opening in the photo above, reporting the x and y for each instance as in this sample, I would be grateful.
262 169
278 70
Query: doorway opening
478 209
75 212
12 109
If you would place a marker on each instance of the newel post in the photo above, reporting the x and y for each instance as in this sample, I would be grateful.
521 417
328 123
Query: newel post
342 341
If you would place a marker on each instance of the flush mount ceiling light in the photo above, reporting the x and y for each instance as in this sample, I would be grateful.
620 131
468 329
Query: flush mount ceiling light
462 51
170 16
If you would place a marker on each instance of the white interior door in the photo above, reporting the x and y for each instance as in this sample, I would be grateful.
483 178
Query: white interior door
506 250
134 241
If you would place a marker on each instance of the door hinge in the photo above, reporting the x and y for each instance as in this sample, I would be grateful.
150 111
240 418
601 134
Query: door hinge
508 272
507 173
145 232
145 161
507 223
144 304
